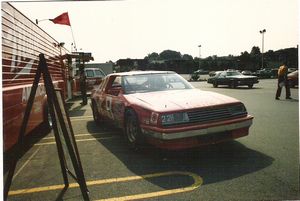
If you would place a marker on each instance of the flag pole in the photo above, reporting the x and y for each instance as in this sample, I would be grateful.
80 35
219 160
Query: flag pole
37 21
63 19
73 39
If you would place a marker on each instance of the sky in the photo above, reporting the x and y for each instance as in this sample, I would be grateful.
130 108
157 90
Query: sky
113 30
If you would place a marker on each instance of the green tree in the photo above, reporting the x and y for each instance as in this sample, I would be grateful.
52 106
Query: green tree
153 56
187 57
255 51
170 55
256 58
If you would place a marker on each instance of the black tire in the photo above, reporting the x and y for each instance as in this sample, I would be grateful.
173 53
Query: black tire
215 84
96 115
291 84
133 132
250 86
47 119
232 85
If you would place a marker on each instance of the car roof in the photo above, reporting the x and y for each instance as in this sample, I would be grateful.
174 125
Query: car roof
93 69
141 73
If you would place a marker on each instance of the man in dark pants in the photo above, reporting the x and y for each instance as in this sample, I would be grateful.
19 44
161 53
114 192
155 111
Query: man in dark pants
82 81
283 81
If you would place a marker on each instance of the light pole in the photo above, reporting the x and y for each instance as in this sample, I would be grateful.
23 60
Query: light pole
262 47
199 54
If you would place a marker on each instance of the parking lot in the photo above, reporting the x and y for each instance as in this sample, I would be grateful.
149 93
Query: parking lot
263 165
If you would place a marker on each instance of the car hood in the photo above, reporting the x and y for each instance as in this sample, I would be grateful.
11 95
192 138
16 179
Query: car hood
164 101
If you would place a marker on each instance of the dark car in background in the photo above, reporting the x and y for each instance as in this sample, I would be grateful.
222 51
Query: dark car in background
233 79
293 78
196 74
266 73
246 72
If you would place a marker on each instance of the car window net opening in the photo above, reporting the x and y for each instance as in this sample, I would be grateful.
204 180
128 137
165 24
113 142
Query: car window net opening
153 82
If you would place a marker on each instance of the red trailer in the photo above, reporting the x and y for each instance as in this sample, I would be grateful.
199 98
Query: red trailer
22 42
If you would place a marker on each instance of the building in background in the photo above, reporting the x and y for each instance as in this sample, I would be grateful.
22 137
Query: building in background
107 68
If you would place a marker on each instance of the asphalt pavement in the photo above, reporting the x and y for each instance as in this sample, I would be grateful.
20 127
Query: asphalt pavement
261 166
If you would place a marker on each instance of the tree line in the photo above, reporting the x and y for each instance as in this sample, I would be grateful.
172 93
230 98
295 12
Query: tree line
184 63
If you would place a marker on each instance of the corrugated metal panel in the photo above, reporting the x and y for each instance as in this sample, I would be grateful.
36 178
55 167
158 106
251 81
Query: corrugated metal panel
22 42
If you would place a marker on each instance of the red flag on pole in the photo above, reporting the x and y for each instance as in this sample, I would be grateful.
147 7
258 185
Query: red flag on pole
62 19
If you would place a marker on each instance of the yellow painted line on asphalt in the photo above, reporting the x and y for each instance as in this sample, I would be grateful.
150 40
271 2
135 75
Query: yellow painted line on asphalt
82 140
25 164
80 118
83 134
197 183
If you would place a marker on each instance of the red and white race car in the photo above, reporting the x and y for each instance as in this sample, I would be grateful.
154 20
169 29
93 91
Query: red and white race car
163 109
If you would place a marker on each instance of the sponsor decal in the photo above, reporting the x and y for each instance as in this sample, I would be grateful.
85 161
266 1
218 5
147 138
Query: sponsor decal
109 107
20 65
26 92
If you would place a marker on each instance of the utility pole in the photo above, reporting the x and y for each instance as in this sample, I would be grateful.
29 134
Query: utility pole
199 54
262 47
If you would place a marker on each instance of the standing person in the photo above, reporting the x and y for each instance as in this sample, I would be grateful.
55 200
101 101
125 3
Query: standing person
283 81
82 81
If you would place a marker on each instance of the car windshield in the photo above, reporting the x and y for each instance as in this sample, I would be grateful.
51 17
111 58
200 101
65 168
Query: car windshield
233 73
89 73
142 83
99 73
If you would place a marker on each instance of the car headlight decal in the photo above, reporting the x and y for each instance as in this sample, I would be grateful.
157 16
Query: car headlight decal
154 118
237 109
174 118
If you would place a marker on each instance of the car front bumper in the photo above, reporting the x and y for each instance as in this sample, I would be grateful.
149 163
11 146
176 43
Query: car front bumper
200 135
247 82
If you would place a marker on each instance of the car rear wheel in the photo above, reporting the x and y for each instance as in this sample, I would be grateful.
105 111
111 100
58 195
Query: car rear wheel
96 115
132 130
215 84
291 84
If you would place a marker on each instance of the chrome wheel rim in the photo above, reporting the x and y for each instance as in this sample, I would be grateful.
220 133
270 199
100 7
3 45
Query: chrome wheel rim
131 130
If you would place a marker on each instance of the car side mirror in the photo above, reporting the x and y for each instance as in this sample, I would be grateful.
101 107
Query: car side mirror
116 86
121 91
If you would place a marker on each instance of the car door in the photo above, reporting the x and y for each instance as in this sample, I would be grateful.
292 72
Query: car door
114 102
222 80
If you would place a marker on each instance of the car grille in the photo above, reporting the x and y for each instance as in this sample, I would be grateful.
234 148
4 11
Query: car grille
208 115
204 116
249 79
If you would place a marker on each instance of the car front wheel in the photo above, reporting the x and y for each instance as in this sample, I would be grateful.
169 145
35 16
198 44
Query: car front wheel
232 84
132 130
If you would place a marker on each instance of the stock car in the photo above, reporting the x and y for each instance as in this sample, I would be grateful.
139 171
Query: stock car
163 109
233 79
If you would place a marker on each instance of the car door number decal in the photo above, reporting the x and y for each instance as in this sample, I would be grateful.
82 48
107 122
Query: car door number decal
109 107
